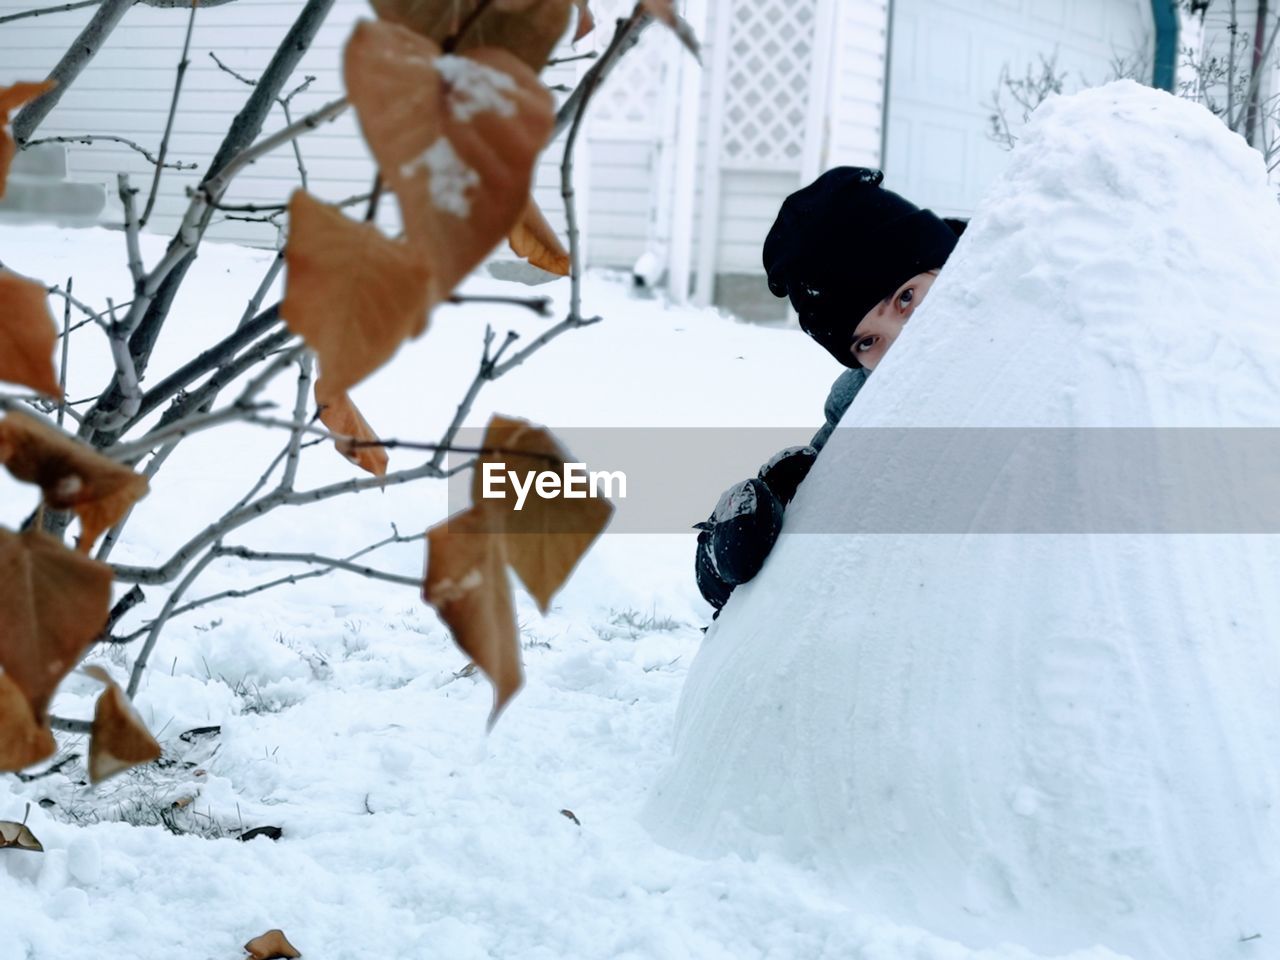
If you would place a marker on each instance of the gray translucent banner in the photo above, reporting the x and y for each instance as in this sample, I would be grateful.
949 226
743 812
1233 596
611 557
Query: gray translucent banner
923 480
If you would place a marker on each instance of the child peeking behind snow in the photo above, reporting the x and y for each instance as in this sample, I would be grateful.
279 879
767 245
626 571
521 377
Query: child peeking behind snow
856 260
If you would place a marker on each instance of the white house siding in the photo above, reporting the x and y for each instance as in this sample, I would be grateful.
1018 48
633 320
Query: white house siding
945 66
626 124
127 87
126 91
853 126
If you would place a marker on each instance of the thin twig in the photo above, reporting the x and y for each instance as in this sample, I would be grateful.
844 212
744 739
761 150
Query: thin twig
539 305
293 578
140 664
43 11
183 63
226 69
483 375
255 302
132 228
375 198
294 447
334 563
66 343
556 61
625 36
351 201
91 138
63 725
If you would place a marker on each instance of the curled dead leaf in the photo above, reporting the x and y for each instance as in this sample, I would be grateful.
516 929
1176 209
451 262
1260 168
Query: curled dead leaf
23 740
18 836
456 139
272 945
353 294
545 539
120 739
11 98
340 415
72 475
586 22
536 241
53 604
27 334
467 583
529 29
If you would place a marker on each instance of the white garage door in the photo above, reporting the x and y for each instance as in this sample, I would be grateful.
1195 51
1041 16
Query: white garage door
945 66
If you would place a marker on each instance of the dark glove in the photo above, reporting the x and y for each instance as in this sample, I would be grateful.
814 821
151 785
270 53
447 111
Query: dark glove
714 590
737 538
786 469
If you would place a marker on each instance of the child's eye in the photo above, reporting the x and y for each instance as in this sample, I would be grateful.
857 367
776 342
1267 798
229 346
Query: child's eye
865 344
906 296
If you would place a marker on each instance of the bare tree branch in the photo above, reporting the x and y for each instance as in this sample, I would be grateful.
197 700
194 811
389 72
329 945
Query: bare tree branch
316 559
91 138
184 243
183 62
539 305
45 11
81 4
140 663
66 345
210 359
82 50
294 448
240 135
625 36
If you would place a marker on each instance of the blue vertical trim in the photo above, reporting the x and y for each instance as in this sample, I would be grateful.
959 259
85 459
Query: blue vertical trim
1165 13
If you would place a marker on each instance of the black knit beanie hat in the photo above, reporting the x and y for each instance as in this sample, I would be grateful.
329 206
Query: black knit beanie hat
842 244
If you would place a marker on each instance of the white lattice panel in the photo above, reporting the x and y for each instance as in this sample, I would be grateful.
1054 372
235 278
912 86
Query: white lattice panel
769 64
628 104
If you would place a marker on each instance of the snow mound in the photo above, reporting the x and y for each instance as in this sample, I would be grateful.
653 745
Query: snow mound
1055 740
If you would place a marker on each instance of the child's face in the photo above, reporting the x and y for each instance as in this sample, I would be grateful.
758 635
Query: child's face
875 332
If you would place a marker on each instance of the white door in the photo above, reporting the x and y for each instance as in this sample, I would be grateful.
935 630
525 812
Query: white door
945 63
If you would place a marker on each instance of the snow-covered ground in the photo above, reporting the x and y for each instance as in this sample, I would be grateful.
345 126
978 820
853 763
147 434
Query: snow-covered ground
407 832
344 717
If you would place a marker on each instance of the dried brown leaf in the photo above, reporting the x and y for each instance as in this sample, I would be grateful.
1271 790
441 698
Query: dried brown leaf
530 29
120 739
545 539
272 945
340 415
467 583
27 334
72 475
665 12
536 241
353 294
23 741
586 22
53 604
456 139
11 98
18 836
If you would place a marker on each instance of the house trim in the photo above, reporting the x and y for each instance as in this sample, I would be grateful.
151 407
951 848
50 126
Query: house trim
1165 14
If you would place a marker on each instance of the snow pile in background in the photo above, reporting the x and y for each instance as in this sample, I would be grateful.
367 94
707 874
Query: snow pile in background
1056 741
